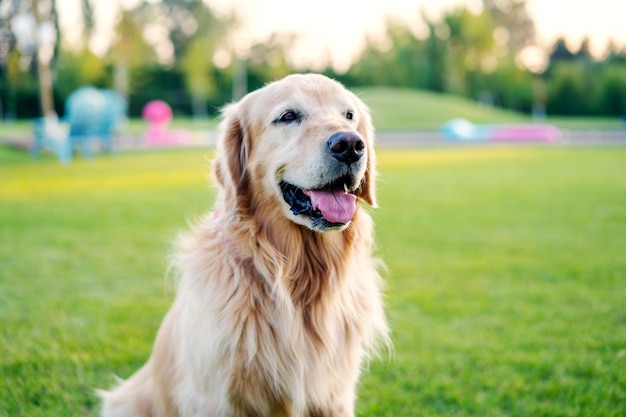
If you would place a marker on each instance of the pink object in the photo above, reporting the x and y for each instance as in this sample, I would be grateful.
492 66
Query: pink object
159 114
464 130
539 133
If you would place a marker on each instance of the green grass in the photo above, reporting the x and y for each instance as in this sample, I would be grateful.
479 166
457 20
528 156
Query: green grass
506 273
587 123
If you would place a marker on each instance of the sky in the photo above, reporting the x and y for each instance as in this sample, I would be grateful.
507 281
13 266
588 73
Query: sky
339 28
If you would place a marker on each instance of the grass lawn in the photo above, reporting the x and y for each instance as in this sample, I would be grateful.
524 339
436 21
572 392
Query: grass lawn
506 278
404 109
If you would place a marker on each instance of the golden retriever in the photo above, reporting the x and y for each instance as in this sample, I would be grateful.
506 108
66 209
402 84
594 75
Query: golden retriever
278 302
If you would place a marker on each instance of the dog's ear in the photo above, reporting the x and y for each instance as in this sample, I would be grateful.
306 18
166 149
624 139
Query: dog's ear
232 150
367 190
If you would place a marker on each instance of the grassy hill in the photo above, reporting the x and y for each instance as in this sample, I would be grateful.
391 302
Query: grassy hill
404 109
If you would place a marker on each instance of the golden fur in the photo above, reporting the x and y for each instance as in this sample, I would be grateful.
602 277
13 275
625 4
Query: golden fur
274 313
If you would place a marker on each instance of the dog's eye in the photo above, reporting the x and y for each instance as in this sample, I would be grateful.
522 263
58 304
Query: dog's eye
288 117
349 115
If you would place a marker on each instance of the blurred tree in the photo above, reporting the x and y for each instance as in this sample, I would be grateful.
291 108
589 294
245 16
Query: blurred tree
395 62
28 27
129 50
470 48
87 15
614 54
196 61
513 22
433 64
571 90
174 33
74 69
8 10
156 82
370 69
45 16
560 52
175 21
579 84
612 90
267 60
19 88
584 51
464 53
512 87
196 64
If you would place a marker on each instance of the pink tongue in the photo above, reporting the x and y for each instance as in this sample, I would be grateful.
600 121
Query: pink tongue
337 206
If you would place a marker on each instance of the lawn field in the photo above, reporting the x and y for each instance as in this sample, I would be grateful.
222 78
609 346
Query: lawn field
506 277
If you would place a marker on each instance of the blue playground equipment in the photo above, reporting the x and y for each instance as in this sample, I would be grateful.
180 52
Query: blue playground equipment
92 117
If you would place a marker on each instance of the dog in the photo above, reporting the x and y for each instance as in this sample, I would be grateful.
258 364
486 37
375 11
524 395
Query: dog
278 299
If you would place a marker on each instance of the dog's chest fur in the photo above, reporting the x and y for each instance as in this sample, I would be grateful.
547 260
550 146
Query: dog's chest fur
289 333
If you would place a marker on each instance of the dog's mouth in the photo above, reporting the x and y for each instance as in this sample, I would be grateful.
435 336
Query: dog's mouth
334 203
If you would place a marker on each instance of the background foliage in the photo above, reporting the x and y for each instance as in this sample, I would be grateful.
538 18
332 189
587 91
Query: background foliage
192 66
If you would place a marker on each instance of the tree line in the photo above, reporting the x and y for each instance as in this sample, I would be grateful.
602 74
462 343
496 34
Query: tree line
178 51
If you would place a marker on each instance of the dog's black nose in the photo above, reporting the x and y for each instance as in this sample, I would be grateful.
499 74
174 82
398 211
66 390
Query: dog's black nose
346 147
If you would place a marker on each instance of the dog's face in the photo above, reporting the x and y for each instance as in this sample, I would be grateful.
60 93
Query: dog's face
304 144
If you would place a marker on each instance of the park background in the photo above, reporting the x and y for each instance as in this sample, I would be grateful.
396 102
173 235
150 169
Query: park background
199 55
505 261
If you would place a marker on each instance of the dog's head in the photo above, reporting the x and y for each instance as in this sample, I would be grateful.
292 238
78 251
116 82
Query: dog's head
303 145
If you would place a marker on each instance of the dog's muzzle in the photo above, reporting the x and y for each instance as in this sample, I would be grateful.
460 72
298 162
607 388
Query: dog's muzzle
332 204
329 207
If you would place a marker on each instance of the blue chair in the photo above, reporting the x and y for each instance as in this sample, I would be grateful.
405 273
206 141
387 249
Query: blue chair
92 117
